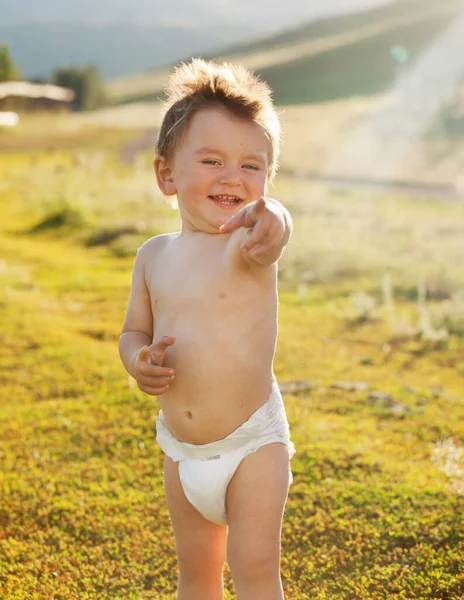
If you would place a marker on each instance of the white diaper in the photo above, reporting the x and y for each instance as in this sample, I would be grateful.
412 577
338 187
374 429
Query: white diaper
206 470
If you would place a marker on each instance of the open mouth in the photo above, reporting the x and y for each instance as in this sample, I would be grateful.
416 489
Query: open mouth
226 201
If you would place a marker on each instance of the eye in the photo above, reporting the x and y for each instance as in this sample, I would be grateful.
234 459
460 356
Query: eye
251 167
210 161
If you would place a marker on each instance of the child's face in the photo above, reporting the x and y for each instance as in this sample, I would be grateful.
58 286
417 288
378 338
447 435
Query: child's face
219 166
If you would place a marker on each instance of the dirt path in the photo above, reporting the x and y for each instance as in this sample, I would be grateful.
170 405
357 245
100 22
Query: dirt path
411 188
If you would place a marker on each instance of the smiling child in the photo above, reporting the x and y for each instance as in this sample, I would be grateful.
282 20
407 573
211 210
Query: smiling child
201 328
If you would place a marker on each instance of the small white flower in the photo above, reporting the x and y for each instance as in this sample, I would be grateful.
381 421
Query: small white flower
448 456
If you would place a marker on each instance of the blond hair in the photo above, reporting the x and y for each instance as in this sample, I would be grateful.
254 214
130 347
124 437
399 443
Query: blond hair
200 84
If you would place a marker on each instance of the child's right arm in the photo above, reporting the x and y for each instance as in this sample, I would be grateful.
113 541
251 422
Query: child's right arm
142 359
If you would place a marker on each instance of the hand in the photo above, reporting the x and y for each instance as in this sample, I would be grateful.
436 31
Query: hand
152 378
266 220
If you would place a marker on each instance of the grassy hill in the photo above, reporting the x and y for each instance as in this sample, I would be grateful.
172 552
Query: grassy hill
336 58
125 37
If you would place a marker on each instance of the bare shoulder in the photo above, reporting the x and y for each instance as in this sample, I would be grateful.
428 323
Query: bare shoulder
152 247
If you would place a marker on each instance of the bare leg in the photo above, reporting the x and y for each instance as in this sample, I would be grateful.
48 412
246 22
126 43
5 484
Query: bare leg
201 545
255 504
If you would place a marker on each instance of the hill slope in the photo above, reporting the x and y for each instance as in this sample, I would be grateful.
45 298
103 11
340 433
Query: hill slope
332 59
256 15
127 36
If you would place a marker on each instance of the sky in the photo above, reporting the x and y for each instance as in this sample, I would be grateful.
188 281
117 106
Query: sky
256 14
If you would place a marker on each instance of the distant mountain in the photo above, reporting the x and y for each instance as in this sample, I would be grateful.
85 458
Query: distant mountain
115 49
128 36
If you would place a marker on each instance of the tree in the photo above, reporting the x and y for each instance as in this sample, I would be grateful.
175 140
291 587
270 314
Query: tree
94 91
86 83
8 69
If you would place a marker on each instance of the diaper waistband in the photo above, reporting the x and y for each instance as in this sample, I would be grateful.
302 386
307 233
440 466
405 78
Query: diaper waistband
269 417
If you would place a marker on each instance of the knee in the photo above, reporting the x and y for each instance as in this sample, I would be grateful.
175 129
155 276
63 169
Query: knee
200 563
261 564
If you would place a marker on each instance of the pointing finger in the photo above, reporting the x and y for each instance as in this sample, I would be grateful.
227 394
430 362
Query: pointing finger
257 235
235 222
163 343
260 205
247 217
256 212
157 350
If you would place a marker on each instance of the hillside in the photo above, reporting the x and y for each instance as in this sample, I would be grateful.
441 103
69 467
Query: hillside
335 58
128 36
351 116
258 15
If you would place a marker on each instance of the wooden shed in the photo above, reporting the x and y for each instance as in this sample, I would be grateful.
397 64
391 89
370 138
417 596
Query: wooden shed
23 96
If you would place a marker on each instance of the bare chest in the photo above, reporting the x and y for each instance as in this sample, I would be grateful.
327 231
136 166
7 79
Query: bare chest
205 277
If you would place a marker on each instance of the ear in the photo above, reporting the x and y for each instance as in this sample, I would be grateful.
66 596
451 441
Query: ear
164 176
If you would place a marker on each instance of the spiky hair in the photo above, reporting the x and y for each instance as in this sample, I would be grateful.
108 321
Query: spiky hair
203 84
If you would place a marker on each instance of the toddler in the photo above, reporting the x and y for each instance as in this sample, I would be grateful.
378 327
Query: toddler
201 327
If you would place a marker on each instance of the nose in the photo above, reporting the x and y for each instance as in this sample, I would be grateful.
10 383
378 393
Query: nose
230 176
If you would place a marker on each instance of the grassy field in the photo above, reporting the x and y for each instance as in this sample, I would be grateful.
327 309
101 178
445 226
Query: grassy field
370 359
343 139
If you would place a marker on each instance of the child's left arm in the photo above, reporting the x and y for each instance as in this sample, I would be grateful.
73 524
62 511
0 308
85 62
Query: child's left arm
270 227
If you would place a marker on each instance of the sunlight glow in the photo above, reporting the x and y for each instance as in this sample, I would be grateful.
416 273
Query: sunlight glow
383 141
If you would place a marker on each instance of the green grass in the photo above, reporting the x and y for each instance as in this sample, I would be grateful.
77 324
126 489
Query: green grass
370 515
357 69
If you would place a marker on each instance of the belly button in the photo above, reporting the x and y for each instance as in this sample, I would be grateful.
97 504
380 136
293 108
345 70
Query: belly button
189 414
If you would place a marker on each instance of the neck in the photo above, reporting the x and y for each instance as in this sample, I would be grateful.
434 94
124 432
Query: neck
189 225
